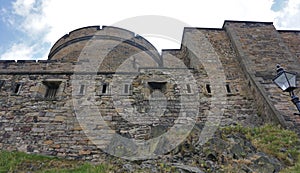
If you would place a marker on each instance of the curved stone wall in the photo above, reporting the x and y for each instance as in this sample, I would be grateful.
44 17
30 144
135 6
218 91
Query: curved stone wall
69 47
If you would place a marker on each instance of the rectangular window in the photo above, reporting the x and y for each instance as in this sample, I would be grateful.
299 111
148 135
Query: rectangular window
188 88
158 85
104 88
2 82
127 89
81 91
51 88
16 88
228 88
208 88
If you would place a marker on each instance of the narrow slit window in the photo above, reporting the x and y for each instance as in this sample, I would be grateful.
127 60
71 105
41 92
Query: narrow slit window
228 88
17 88
1 83
126 89
81 91
208 89
104 88
188 87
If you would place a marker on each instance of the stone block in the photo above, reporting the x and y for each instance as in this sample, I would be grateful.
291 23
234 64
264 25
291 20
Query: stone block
9 129
59 118
38 130
48 142
85 152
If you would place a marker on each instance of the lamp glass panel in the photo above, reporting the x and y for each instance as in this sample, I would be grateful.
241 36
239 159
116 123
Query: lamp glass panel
292 79
281 81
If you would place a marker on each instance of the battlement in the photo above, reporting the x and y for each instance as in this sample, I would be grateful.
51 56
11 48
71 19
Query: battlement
246 24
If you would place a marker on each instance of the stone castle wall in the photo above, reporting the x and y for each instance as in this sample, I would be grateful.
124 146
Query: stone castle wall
233 68
260 48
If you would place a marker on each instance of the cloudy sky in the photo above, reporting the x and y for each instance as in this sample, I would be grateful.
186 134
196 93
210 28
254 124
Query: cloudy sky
28 28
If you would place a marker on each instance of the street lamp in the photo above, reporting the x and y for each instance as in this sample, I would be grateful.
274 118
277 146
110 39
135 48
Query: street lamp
286 81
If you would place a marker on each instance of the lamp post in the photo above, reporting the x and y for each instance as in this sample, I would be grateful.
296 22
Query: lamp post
286 81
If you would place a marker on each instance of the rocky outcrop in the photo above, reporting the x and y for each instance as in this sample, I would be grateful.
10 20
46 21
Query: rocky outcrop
225 152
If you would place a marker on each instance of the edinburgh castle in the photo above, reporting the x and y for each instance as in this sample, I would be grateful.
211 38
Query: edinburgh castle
104 88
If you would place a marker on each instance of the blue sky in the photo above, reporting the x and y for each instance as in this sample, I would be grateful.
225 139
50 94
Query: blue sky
278 5
28 28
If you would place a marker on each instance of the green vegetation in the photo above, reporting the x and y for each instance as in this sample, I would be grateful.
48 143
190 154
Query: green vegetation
270 139
273 140
293 169
11 162
18 161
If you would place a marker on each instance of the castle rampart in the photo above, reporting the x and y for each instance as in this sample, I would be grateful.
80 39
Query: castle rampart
233 68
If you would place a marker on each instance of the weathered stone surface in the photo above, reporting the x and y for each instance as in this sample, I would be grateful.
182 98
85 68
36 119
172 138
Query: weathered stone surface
48 142
84 152
59 118
232 68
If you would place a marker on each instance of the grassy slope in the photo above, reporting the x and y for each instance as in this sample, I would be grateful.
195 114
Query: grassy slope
269 139
21 162
275 141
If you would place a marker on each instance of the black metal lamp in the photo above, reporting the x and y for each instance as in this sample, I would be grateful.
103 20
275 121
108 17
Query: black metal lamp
286 81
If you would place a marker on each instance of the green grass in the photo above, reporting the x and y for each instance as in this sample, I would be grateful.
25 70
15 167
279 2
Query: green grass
22 162
273 140
12 162
83 168
293 169
276 141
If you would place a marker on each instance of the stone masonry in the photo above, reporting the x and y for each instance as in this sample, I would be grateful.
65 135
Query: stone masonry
101 82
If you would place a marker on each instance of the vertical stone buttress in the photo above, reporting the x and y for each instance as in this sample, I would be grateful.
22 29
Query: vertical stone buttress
260 47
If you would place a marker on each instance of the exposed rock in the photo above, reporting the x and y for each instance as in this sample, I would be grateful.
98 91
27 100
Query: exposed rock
185 168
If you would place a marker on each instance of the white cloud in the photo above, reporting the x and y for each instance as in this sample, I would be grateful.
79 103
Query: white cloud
18 52
65 16
289 17
46 21
33 20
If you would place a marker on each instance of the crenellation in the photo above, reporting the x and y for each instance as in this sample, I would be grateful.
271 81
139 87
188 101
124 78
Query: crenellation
116 32
26 61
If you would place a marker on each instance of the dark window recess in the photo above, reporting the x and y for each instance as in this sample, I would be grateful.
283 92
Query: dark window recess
208 88
52 88
16 88
35 119
126 89
157 85
81 91
51 92
2 82
104 88
188 87
228 88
